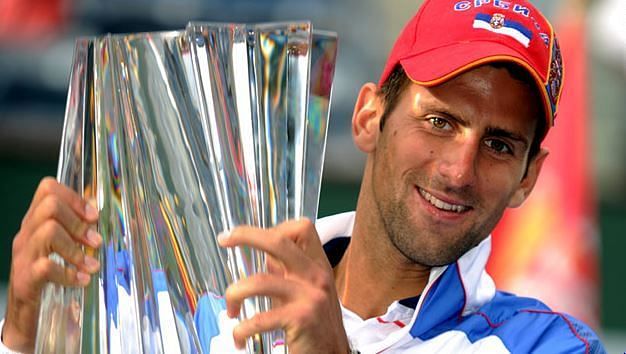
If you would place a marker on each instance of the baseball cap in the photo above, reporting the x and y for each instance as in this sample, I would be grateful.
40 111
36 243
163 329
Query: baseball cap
448 37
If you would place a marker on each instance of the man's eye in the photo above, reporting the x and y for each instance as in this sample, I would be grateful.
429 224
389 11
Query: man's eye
498 146
440 123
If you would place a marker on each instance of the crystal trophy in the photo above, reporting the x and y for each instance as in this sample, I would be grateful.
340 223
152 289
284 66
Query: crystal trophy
178 136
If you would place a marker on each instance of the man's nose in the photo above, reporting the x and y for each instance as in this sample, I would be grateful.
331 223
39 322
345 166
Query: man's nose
459 162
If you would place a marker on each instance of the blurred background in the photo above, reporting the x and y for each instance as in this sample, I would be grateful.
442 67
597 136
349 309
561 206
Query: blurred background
565 246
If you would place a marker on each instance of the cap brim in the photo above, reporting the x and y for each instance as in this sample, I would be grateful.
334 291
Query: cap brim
439 65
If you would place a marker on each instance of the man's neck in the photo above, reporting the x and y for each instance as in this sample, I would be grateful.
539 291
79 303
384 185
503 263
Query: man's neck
372 273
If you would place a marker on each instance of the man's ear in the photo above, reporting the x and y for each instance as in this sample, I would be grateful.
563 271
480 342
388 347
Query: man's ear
366 118
528 182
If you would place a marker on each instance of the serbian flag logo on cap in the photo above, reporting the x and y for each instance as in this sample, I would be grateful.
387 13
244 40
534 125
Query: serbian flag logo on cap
497 23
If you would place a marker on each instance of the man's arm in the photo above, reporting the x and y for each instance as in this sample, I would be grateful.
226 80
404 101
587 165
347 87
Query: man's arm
59 221
301 283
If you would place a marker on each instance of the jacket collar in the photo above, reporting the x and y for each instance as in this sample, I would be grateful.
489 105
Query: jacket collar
452 291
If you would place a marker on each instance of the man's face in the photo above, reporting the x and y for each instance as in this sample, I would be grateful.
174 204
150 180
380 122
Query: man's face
450 159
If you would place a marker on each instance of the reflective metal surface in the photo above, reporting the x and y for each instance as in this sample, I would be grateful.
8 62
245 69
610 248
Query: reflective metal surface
179 136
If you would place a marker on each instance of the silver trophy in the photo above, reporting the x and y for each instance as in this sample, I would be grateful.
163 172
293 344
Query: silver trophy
179 136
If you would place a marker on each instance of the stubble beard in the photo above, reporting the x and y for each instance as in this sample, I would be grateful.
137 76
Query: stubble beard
425 247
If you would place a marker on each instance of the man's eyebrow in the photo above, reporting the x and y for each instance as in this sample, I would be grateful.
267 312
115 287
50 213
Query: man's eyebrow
441 109
504 133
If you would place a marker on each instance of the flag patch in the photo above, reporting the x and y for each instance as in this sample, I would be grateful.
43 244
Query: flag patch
497 23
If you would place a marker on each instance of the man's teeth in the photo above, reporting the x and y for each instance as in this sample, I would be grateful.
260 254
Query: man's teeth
440 204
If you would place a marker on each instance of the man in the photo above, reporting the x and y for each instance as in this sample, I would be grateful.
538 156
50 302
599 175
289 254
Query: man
452 135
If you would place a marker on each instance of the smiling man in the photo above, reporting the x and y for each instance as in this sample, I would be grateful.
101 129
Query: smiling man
452 135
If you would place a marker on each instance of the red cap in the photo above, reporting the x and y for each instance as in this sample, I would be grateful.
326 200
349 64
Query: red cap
448 37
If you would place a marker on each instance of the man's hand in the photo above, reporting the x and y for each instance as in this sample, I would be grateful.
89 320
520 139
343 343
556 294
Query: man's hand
300 283
58 220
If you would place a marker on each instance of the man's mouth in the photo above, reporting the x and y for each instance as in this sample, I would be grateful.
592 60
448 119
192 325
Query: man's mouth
440 204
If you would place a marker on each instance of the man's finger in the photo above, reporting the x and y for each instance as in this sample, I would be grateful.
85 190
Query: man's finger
270 241
257 285
303 233
49 186
299 230
261 322
46 270
53 208
54 238
274 266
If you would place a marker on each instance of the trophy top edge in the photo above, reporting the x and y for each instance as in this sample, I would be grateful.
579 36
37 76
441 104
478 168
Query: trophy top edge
252 24
130 35
325 33
80 39
166 33
305 24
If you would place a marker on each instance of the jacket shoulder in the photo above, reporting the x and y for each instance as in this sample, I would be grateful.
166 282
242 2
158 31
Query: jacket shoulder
527 325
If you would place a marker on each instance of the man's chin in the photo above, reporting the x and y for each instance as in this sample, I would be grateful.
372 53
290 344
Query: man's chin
431 254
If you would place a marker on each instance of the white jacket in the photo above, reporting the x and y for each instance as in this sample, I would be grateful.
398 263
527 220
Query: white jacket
459 311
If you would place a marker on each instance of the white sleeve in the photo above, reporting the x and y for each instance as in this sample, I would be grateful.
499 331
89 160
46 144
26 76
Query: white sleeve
3 348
